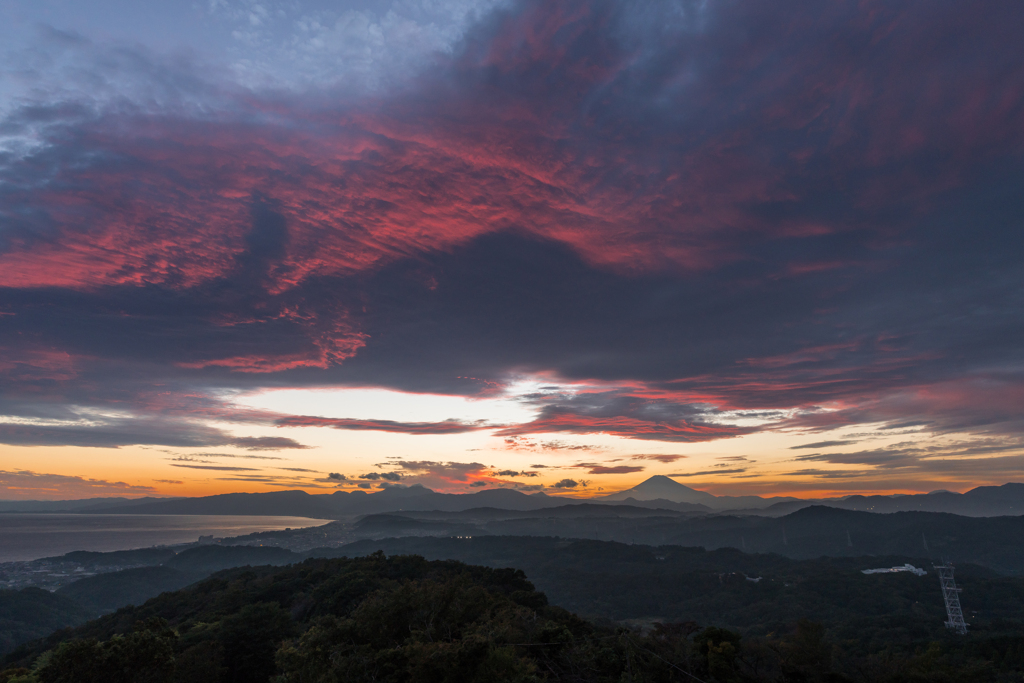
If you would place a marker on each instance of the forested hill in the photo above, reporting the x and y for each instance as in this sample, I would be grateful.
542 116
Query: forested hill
995 542
598 579
403 618
752 593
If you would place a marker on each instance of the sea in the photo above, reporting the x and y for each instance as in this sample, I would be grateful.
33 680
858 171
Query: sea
30 536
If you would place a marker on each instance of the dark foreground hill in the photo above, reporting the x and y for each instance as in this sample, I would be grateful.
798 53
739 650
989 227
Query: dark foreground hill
404 618
921 538
33 613
601 579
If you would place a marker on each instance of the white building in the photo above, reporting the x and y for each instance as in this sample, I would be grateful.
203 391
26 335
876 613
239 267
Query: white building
891 570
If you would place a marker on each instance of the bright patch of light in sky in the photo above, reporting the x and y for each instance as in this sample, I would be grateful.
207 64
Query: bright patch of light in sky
382 404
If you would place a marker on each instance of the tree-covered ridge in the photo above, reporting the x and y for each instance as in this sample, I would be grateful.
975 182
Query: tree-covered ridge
808 533
403 618
34 613
600 579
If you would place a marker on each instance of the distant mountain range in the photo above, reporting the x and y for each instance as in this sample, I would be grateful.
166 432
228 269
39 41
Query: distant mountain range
659 492
341 504
78 505
662 488
984 501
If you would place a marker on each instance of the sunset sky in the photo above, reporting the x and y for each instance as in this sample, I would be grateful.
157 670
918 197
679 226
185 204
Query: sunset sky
763 247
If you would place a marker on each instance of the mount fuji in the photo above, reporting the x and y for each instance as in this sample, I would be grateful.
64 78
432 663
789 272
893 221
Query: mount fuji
660 487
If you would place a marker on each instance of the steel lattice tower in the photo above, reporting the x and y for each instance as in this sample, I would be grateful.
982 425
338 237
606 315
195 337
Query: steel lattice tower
952 596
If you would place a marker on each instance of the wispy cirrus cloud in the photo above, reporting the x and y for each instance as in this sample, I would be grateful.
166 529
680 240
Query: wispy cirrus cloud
277 481
824 444
658 457
242 456
612 469
218 468
705 473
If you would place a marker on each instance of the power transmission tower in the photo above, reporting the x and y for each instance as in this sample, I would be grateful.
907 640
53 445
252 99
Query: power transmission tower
951 594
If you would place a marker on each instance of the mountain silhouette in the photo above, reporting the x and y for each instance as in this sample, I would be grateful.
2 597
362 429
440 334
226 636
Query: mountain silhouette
662 487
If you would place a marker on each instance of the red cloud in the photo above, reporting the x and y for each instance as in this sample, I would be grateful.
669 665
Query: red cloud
168 201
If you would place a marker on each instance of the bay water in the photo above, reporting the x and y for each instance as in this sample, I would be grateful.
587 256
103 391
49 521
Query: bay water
30 536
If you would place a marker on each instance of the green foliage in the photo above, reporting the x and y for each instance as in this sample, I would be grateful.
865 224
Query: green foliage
249 639
17 674
644 584
448 630
144 656
206 559
107 592
33 613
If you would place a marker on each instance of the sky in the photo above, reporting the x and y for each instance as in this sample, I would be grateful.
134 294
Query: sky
771 248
